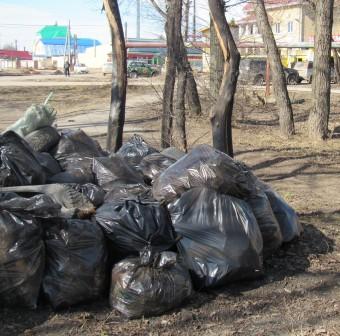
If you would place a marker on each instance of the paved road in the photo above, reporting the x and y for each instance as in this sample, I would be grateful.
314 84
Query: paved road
296 88
75 80
97 80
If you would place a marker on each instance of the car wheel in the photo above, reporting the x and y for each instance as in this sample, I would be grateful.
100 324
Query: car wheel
292 80
133 74
259 80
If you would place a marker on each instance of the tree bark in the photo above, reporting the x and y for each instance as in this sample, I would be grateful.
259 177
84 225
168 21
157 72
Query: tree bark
119 77
183 69
170 75
336 64
321 85
221 113
216 62
278 77
192 95
180 129
187 4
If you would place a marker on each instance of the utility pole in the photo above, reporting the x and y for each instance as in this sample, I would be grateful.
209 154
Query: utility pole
138 19
69 41
126 31
194 22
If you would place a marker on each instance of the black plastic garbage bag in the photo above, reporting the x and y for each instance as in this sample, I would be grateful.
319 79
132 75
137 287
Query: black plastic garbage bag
129 191
143 290
153 165
135 226
173 153
76 143
49 163
93 192
75 262
41 206
43 139
135 149
285 215
22 260
259 203
204 166
18 162
80 173
114 170
269 226
75 153
221 241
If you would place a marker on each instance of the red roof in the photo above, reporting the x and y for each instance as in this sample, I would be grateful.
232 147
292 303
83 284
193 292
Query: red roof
15 54
269 3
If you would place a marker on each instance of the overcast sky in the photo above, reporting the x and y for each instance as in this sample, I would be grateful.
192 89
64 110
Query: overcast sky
20 20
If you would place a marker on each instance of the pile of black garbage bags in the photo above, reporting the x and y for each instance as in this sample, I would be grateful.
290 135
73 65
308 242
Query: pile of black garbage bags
166 223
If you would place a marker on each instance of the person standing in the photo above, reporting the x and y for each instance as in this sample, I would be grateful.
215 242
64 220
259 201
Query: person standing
67 68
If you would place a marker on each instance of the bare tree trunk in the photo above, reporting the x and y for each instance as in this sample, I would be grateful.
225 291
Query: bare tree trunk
321 85
119 77
187 4
278 77
336 64
168 97
192 95
173 37
216 62
193 98
221 114
180 129
183 69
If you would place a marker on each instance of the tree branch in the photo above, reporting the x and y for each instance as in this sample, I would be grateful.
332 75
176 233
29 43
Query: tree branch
158 9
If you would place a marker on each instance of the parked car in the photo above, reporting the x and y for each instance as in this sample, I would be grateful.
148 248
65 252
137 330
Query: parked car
107 68
253 71
81 68
305 70
138 68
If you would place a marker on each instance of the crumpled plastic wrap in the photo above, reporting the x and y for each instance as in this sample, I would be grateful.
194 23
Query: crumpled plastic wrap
22 259
139 289
204 166
220 239
76 258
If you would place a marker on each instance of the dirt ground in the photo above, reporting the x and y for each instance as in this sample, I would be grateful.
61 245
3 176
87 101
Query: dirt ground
300 292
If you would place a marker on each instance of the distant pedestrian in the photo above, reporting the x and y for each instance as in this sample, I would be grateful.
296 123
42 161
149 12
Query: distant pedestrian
67 69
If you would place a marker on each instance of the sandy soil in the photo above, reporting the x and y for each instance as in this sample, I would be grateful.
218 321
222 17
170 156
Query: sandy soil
300 293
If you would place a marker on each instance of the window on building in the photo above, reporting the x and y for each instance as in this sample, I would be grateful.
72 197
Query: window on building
251 29
277 27
290 26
